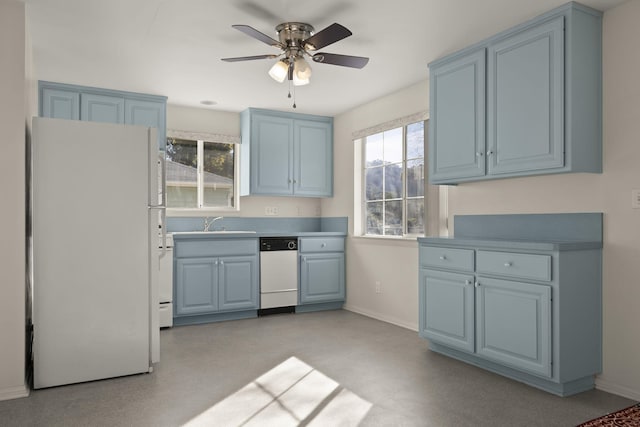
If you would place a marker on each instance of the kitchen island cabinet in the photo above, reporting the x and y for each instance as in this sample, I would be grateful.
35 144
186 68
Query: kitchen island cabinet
520 295
286 154
526 101
71 102
216 279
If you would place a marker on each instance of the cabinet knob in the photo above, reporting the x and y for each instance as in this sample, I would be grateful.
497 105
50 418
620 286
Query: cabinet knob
443 257
479 154
507 264
467 282
295 182
289 181
221 262
490 152
323 245
304 259
477 284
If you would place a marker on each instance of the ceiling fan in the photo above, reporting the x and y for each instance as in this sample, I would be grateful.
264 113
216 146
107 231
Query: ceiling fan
297 40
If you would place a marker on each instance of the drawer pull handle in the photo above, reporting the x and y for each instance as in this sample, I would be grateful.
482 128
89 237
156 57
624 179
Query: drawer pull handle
442 257
507 264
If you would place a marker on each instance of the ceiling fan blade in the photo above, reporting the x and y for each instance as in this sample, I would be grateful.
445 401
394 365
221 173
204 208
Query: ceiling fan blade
333 33
252 32
249 58
344 60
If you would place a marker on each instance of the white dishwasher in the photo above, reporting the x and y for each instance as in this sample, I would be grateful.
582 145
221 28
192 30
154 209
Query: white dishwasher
278 274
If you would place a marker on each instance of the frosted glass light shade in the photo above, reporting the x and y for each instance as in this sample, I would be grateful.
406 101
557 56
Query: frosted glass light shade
279 71
301 72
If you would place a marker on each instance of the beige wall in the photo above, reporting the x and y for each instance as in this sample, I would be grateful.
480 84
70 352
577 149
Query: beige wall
227 123
13 108
393 263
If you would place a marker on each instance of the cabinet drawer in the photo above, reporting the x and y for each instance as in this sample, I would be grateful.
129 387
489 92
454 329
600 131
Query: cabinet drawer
453 259
526 266
206 248
321 244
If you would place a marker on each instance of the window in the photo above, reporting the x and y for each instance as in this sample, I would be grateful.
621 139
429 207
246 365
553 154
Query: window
200 174
392 181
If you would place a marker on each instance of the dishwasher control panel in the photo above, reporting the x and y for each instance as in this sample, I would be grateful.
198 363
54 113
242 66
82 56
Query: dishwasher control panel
278 244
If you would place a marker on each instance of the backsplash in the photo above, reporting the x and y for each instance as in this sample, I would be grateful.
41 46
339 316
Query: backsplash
261 224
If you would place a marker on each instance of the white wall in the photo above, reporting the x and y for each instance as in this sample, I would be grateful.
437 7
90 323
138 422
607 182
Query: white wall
13 108
393 263
227 123
609 192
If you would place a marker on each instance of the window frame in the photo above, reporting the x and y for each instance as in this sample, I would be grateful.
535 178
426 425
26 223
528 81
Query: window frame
404 196
200 138
435 196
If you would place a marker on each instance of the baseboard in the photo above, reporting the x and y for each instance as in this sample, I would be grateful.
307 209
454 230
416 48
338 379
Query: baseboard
14 392
377 316
610 387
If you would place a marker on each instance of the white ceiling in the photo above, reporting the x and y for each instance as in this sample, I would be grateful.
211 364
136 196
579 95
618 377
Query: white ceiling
173 47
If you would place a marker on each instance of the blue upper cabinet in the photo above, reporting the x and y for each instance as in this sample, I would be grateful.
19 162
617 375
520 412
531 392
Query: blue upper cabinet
59 104
63 101
458 146
543 110
286 154
102 108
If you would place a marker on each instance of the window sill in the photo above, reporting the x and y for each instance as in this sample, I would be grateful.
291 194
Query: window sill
388 238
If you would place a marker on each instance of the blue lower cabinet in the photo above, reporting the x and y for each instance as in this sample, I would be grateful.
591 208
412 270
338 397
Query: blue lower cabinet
322 273
321 278
447 308
210 286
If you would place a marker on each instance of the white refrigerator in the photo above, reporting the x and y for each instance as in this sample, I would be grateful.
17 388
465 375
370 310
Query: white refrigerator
95 216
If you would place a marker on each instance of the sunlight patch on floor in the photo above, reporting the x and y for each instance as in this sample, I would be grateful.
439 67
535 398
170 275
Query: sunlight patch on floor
291 394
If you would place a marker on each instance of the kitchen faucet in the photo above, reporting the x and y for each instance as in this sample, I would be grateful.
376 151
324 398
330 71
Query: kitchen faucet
209 222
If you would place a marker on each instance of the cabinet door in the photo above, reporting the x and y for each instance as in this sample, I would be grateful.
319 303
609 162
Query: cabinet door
526 100
271 155
60 104
513 324
147 113
196 286
446 302
101 108
457 124
313 158
322 278
238 285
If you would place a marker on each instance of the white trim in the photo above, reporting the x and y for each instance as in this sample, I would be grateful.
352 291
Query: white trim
377 316
391 124
14 392
611 387
203 136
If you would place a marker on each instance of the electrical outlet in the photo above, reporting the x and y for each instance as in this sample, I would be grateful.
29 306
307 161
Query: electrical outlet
635 199
271 210
378 287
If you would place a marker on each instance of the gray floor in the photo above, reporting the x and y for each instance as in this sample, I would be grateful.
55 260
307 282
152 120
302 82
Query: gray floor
386 365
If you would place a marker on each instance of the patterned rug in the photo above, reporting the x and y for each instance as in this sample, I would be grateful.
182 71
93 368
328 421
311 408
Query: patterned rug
628 417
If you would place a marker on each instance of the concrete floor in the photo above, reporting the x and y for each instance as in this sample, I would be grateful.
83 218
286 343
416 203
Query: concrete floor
388 366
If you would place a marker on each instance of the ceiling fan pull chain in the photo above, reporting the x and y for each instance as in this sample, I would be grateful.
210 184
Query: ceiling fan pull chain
294 96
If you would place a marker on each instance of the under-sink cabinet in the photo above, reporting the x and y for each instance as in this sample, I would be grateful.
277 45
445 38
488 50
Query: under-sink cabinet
526 101
528 309
322 273
216 279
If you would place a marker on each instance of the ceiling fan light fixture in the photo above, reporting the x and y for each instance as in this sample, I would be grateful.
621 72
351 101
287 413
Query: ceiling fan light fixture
279 71
301 71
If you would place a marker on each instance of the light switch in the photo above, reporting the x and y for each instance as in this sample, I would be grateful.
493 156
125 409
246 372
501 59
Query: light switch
635 199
